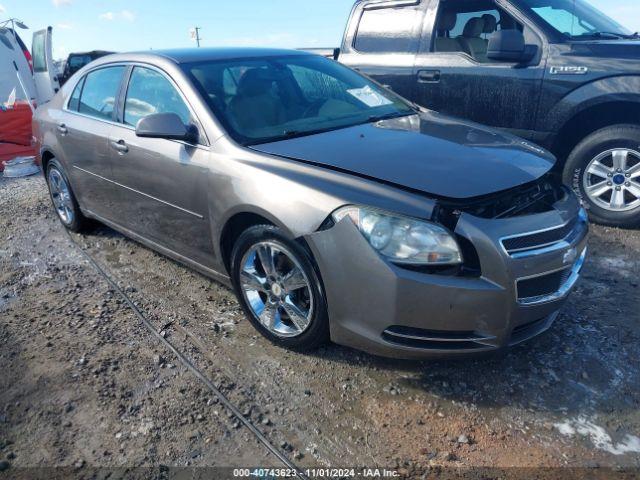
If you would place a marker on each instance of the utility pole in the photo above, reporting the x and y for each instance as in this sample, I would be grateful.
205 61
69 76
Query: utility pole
198 36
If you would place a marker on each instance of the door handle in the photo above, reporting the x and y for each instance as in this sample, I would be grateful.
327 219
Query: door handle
428 76
120 146
62 128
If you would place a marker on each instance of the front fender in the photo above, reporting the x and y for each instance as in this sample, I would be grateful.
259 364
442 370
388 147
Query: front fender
622 88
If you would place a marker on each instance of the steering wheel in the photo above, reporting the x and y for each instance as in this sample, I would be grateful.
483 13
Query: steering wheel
313 108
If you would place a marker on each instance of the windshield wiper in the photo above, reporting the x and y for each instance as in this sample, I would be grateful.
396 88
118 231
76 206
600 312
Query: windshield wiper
387 116
288 134
291 133
616 35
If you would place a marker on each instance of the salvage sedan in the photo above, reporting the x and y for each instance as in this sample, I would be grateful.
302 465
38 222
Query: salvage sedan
336 209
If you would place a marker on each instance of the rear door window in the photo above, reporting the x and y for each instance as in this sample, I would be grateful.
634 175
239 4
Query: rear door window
100 92
389 30
151 92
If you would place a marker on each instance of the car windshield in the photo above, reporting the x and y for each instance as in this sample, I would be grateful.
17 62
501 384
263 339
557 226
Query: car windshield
576 19
261 100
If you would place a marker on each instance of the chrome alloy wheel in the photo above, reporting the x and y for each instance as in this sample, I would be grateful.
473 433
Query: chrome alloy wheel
612 180
277 289
61 196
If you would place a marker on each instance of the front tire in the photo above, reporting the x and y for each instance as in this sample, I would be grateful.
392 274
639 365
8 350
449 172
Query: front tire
277 285
604 170
63 198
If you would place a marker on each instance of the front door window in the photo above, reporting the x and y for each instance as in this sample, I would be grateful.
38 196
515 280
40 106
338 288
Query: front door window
151 92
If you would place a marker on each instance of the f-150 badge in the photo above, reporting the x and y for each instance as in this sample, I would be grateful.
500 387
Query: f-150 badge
568 70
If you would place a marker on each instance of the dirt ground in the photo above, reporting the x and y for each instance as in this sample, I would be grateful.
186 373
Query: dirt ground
83 385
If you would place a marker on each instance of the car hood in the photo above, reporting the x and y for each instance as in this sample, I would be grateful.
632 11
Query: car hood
427 152
608 49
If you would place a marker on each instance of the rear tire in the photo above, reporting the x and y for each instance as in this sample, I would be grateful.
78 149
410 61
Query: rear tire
604 171
63 199
280 292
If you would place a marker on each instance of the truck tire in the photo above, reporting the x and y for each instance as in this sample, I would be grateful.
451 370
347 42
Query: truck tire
604 171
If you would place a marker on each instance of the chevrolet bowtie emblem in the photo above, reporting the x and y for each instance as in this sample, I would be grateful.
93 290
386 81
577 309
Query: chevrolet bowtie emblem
569 256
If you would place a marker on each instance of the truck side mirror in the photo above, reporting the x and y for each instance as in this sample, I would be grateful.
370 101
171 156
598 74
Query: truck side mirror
509 46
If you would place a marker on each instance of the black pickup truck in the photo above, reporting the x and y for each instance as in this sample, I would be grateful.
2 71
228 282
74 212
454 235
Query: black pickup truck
556 72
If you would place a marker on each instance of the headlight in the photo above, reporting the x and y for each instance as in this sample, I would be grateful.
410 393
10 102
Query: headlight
403 239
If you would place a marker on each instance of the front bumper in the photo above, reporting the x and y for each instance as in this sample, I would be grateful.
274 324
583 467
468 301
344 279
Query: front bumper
387 310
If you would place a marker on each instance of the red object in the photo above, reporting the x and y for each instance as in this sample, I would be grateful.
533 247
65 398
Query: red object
15 133
27 55
15 124
9 151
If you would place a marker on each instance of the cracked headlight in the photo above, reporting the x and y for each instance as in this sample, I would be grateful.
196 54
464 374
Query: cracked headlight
402 239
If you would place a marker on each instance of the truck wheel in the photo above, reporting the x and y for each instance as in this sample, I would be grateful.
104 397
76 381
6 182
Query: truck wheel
604 171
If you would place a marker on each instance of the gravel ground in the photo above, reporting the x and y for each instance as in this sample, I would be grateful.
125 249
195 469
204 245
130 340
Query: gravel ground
83 384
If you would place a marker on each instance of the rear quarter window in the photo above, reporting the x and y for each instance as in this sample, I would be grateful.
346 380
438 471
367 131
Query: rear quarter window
74 100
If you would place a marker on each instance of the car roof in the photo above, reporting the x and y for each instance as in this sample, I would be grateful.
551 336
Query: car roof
165 58
188 55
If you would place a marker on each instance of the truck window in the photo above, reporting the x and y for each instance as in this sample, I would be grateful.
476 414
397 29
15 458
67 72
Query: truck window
39 54
575 19
315 85
464 26
389 30
463 18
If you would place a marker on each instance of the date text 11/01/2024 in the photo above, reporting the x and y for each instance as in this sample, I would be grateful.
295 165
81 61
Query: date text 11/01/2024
269 473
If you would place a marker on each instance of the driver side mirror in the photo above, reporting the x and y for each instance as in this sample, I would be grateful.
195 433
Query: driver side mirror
166 125
509 46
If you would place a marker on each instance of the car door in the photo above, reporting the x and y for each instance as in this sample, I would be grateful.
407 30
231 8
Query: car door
44 72
454 76
161 183
382 42
83 130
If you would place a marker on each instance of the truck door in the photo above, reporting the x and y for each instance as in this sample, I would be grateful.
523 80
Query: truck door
44 73
382 42
454 76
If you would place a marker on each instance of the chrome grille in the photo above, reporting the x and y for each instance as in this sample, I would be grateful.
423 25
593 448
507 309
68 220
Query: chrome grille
549 286
541 241
542 285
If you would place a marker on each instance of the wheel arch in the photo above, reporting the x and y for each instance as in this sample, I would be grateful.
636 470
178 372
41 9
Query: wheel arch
240 221
46 156
233 227
593 118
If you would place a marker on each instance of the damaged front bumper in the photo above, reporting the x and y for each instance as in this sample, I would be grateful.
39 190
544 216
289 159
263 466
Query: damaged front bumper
528 266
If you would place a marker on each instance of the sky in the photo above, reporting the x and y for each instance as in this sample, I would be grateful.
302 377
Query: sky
127 25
